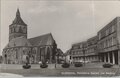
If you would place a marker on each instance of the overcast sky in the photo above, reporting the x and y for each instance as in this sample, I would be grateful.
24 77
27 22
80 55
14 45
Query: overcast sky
68 21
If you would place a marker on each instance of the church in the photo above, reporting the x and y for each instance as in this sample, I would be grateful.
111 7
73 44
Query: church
40 48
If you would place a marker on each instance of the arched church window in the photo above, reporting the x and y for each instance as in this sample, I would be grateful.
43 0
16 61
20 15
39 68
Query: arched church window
12 30
17 29
34 51
20 29
24 30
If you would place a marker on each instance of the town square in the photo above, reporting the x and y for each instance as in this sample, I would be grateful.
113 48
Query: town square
47 39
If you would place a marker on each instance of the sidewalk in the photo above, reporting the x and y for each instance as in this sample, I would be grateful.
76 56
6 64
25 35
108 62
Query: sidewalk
90 69
52 66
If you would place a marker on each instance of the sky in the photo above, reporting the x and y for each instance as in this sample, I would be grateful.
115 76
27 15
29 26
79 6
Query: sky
69 21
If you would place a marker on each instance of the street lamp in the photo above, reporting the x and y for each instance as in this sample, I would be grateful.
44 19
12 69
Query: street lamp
55 61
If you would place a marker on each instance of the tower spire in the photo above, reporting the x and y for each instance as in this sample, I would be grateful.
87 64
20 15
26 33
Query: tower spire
18 20
18 12
18 27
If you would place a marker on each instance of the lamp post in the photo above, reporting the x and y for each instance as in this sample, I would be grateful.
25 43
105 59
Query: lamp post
56 59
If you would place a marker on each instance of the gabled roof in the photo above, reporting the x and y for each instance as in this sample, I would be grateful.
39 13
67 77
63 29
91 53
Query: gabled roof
19 41
59 52
46 39
18 20
68 52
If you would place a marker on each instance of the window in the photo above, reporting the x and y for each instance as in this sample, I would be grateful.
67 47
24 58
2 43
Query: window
24 30
112 41
106 43
103 44
107 32
17 29
113 28
12 30
9 30
99 36
76 52
80 46
102 35
73 52
110 30
23 52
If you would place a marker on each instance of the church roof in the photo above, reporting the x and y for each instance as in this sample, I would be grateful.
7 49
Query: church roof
46 39
19 41
18 20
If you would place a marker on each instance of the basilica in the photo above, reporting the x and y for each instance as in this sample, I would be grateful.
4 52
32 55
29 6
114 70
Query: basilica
40 48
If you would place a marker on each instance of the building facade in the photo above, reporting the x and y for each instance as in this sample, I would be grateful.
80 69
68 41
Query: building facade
85 51
92 52
77 52
109 42
68 58
59 56
19 48
104 47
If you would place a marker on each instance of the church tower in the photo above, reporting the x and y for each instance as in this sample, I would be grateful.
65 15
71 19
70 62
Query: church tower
18 27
